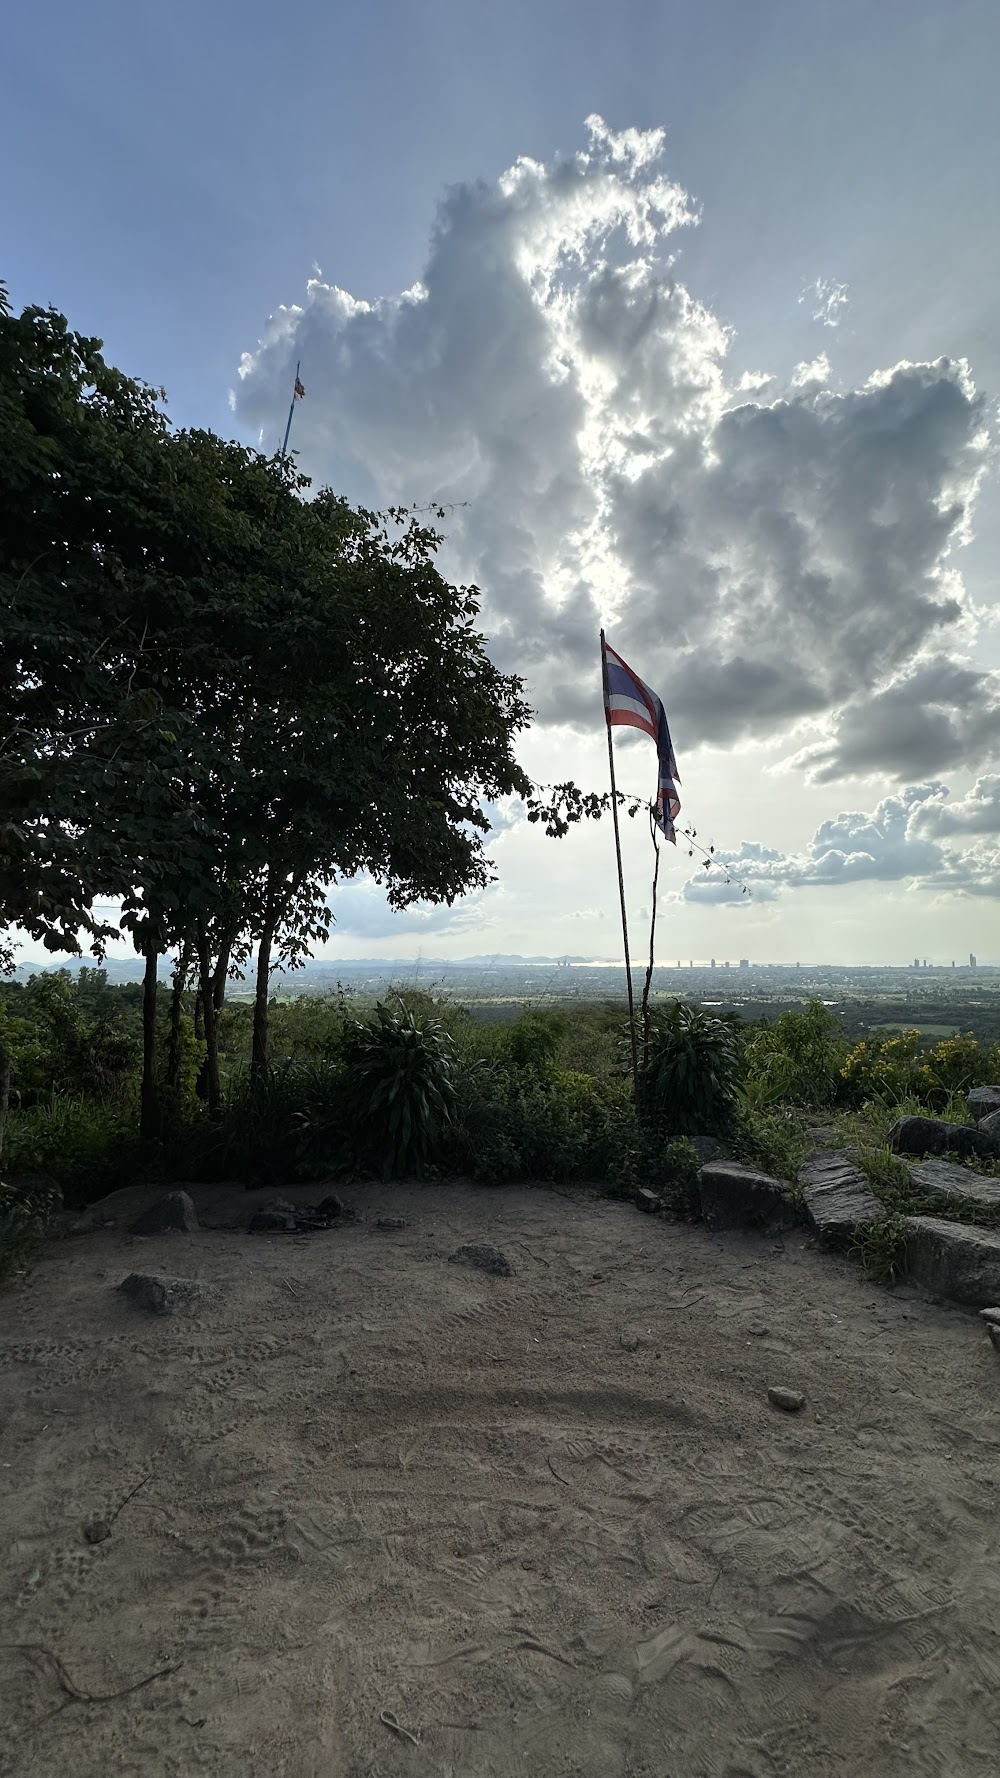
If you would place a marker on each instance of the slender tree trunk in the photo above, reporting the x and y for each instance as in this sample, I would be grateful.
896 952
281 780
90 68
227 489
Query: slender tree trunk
258 1058
4 1091
221 976
176 1014
213 1090
149 1113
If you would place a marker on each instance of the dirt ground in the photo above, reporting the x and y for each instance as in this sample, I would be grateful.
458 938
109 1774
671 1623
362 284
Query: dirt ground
382 1483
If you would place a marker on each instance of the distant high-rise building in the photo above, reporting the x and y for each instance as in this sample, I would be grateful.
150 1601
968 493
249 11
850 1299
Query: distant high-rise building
713 963
744 963
916 962
726 964
972 959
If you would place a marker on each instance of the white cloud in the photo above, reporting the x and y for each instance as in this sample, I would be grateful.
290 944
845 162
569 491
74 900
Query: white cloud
761 562
830 299
813 372
896 842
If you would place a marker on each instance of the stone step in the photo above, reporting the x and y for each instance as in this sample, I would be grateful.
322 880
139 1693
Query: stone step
954 1259
737 1197
943 1179
837 1196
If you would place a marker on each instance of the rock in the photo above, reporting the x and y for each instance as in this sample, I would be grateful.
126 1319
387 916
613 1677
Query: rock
483 1255
983 1100
629 1341
788 1399
992 1315
707 1148
647 1200
738 1197
994 1332
174 1210
390 1224
837 1197
932 1135
759 1330
954 1259
990 1124
273 1218
332 1208
163 1295
943 1179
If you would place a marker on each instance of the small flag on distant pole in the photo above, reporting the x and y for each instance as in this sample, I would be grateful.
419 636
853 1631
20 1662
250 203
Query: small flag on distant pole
297 393
629 703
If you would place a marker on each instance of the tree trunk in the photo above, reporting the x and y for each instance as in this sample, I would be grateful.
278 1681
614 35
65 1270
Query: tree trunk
213 1090
176 1014
4 1091
221 976
149 1113
258 1058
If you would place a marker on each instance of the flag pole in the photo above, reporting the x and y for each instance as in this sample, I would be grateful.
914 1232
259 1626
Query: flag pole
291 410
644 1012
621 878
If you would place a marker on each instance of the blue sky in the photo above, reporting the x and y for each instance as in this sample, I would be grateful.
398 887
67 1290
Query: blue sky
176 174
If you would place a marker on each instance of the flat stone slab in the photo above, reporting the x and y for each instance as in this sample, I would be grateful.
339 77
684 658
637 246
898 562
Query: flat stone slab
837 1196
982 1100
172 1210
163 1295
737 1197
954 1259
933 1135
484 1256
942 1179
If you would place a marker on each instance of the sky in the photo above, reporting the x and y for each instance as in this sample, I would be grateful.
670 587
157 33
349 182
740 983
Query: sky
687 315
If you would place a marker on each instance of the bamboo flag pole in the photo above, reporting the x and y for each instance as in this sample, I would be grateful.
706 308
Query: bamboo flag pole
618 855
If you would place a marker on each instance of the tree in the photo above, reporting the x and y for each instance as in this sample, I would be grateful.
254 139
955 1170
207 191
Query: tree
217 695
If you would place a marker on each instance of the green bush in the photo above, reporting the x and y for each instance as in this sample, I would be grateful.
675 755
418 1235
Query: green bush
688 1080
775 1141
88 1147
24 1215
676 1178
795 1059
398 1078
534 1042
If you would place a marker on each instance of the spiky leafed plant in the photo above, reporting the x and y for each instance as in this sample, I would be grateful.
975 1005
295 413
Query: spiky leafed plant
688 1079
400 1089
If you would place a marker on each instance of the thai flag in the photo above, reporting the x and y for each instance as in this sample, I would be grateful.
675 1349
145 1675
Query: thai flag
629 703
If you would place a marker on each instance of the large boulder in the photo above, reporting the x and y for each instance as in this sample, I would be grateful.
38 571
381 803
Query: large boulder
943 1179
990 1125
737 1197
173 1210
954 1259
837 1197
932 1135
982 1100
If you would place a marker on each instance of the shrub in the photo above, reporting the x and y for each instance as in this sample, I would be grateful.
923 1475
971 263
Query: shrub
398 1076
676 1178
881 1247
24 1215
774 1140
798 1057
687 1083
535 1040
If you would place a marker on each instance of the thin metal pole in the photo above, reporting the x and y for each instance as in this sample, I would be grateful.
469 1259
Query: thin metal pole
291 410
621 878
644 1011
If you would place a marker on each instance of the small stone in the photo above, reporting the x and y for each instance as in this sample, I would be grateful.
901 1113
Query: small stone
992 1315
629 1341
174 1210
647 1200
759 1330
330 1207
271 1222
163 1295
788 1399
390 1224
483 1255
97 1531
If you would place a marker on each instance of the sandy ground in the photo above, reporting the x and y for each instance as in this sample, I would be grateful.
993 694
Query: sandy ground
379 1482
